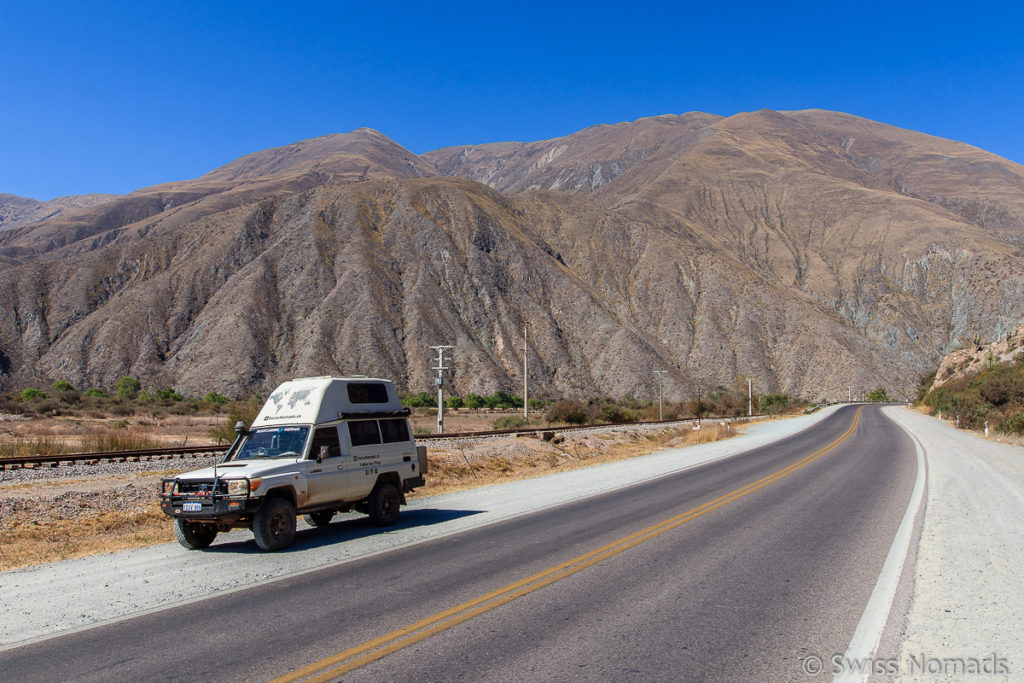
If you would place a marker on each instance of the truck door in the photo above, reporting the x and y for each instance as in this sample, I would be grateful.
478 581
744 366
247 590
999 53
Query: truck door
364 435
329 479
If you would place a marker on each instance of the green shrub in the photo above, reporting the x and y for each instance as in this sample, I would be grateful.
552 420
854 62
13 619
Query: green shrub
879 395
502 400
454 402
613 413
474 401
167 393
1012 425
512 422
61 386
128 388
773 404
420 400
214 397
94 392
31 393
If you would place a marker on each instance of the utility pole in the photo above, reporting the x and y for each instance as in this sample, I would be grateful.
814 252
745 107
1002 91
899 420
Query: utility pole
526 390
750 397
661 378
440 367
698 408
849 390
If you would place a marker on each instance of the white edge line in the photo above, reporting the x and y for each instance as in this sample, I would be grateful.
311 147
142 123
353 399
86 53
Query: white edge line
876 613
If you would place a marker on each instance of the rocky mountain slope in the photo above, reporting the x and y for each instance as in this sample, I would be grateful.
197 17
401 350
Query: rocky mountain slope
809 250
16 211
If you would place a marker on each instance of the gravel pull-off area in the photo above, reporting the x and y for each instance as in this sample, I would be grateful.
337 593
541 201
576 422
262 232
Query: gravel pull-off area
967 611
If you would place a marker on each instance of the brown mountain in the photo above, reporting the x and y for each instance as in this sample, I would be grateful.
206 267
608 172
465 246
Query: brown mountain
16 211
809 250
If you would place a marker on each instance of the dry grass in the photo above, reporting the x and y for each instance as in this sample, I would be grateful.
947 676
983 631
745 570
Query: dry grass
26 543
42 445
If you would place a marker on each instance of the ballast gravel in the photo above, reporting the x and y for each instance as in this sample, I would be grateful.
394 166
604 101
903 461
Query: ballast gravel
49 599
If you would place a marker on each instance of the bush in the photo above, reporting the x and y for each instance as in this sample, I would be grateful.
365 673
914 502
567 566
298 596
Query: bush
879 395
454 402
773 404
128 388
512 422
167 393
502 400
70 396
1002 385
1012 425
93 392
214 397
420 400
61 386
924 384
567 411
30 393
617 414
474 401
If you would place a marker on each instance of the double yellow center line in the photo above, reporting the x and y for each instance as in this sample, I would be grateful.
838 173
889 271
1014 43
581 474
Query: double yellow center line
372 650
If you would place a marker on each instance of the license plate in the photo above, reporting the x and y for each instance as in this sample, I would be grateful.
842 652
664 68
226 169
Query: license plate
192 507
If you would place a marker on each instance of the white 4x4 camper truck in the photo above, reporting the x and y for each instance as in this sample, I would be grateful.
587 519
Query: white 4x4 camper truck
319 445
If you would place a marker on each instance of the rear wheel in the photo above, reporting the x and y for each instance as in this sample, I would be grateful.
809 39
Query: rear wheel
322 518
383 502
193 535
274 524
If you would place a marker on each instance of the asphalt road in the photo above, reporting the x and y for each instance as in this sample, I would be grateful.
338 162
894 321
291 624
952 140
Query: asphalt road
735 570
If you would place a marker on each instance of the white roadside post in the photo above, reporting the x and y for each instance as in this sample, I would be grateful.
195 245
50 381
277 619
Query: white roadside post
750 397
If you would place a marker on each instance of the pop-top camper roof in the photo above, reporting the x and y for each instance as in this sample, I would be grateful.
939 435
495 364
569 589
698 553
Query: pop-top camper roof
312 400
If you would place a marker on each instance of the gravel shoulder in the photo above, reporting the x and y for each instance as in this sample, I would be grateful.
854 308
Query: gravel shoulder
48 599
968 596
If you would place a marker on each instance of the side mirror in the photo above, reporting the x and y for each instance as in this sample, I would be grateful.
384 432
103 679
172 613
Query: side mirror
240 427
325 452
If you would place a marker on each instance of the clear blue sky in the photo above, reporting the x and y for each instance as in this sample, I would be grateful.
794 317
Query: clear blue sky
113 96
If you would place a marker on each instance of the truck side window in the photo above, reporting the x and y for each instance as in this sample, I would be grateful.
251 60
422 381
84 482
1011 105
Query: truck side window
367 392
394 431
363 432
325 436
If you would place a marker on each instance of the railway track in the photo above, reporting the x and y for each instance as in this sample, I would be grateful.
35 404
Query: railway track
186 452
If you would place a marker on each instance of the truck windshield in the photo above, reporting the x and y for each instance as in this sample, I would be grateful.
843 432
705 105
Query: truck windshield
273 442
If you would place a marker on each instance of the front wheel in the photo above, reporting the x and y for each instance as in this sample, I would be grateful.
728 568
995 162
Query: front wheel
382 504
274 524
193 535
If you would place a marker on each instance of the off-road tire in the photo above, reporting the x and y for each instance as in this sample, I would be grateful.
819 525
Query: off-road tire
322 518
274 524
382 504
194 536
